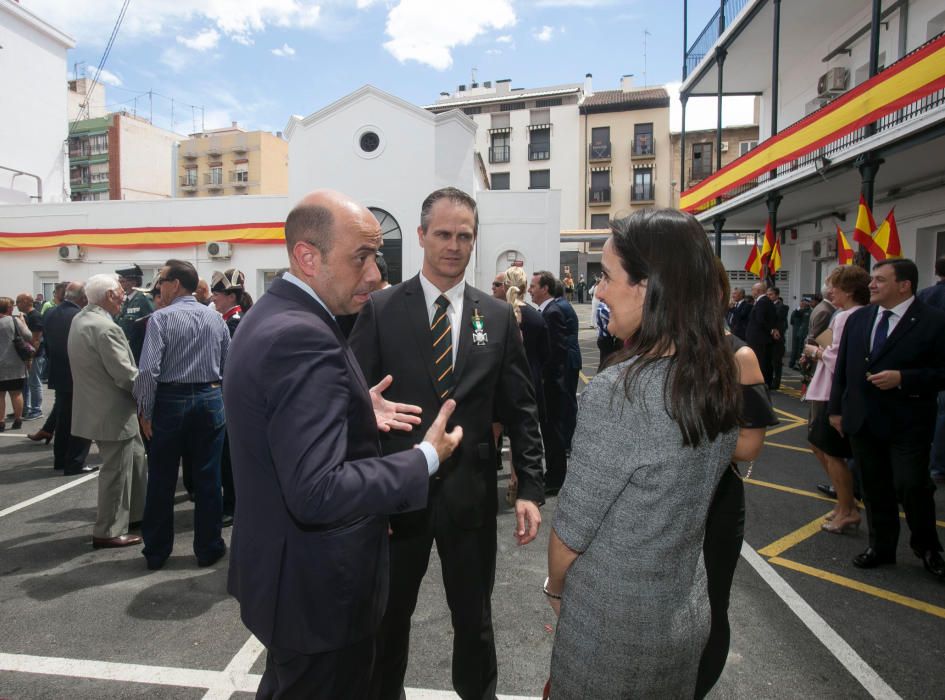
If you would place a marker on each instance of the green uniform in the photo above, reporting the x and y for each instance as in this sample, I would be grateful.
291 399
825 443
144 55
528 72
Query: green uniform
136 305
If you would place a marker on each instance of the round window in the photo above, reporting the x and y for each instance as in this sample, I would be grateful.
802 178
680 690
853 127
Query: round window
369 141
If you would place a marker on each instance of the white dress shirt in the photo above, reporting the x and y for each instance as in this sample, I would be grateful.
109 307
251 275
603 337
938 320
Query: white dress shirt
454 312
544 305
898 312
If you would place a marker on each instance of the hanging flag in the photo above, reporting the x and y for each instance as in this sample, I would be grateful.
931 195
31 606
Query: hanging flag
864 231
887 236
753 264
844 250
768 247
774 264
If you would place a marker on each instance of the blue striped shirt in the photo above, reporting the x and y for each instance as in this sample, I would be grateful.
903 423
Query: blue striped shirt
186 343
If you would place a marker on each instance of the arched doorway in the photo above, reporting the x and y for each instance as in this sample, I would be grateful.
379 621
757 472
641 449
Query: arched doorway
393 244
507 259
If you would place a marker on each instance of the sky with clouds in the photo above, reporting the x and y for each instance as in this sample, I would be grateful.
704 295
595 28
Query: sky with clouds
259 61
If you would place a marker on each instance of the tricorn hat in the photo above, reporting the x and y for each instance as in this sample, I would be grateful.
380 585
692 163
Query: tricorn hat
231 280
130 272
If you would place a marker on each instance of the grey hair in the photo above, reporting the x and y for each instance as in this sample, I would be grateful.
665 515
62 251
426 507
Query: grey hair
75 291
97 285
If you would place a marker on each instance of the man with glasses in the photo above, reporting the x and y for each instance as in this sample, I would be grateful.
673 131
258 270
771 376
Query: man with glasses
180 407
498 287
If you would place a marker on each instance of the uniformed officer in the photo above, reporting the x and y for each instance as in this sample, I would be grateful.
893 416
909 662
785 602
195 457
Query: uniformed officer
137 304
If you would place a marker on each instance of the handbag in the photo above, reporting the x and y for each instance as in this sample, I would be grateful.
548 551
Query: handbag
23 348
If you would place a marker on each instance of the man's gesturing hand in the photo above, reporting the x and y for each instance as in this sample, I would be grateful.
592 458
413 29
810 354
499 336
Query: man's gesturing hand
390 415
444 442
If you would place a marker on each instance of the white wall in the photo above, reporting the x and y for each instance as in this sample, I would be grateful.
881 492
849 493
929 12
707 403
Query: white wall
147 160
33 117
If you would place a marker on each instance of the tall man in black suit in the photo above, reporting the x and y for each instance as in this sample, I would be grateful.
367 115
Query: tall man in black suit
555 379
69 451
890 365
762 329
776 355
738 313
440 338
310 545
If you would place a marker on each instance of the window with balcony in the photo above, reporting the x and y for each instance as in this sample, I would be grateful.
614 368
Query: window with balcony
499 148
98 144
539 143
215 176
599 192
190 178
539 179
500 181
599 149
600 221
643 140
79 175
642 185
701 166
240 176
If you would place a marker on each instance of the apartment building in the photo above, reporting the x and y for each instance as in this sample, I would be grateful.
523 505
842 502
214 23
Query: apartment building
120 156
627 156
232 161
700 160
851 105
529 139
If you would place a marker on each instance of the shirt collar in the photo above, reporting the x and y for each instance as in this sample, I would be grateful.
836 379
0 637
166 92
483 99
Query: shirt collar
900 309
292 279
431 293
185 299
544 305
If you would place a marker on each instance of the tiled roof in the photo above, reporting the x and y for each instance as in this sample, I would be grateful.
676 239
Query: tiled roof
619 100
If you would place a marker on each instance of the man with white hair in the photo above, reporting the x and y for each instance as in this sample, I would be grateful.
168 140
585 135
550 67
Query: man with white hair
104 410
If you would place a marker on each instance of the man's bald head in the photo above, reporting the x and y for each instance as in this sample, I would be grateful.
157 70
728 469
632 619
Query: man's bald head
315 218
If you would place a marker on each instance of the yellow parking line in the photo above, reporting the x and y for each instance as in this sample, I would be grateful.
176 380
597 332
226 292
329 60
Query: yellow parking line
788 489
789 447
794 538
862 587
790 415
785 428
584 378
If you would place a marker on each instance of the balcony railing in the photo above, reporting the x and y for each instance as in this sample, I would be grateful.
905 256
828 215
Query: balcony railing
642 193
186 181
599 151
239 178
213 179
706 40
499 154
598 195
643 149
539 152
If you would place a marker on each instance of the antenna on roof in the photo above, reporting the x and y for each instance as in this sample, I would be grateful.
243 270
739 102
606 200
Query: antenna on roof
473 76
646 33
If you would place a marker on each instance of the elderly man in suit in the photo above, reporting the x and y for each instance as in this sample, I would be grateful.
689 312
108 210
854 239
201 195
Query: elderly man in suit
104 410
309 560
890 365
762 330
440 338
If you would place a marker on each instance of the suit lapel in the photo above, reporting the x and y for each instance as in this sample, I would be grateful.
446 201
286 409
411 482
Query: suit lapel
470 304
418 317
906 324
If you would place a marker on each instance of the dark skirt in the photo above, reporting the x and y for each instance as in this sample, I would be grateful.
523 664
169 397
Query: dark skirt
13 385
822 435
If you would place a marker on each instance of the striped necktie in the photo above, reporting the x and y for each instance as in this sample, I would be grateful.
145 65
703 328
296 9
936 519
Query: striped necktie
442 333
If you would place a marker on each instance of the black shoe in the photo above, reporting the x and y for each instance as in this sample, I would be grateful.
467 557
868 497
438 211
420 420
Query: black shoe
83 470
870 559
155 563
933 563
212 559
827 490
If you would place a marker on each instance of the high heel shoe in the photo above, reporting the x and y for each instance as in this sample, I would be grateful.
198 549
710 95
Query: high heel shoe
841 526
40 435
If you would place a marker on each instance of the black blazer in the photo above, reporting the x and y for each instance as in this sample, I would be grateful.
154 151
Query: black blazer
57 322
535 339
309 552
761 321
392 336
572 326
916 348
738 318
557 323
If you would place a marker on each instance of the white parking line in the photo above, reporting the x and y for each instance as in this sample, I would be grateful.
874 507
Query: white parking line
836 645
237 670
49 494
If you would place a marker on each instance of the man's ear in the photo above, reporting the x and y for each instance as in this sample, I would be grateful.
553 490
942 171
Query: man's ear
307 257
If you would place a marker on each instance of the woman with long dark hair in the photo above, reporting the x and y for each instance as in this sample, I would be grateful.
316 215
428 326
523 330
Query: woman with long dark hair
656 429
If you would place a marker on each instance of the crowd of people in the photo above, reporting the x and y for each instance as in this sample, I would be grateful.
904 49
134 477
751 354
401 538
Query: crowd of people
343 426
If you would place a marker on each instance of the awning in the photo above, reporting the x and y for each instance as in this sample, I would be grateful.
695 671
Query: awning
534 127
501 130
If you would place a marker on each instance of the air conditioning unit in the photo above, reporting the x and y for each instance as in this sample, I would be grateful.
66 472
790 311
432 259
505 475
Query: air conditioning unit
724 147
825 248
218 251
71 252
815 104
833 82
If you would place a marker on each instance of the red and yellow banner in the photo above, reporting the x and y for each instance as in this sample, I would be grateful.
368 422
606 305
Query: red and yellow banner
145 237
909 79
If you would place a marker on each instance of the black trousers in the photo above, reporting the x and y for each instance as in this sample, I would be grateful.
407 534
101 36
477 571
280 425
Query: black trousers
340 673
776 359
724 532
467 559
763 353
552 435
897 470
69 451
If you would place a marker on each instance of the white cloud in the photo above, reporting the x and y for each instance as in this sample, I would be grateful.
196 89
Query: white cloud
493 52
175 59
543 34
427 30
364 4
504 39
92 22
286 50
109 78
203 41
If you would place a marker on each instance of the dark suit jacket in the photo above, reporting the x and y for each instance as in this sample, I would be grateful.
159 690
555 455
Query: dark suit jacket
557 323
761 321
309 554
738 318
916 348
392 336
571 325
57 322
781 310
536 342
934 295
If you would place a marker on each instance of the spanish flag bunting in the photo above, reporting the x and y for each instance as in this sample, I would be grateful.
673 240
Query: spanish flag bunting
774 264
864 231
844 250
887 236
768 247
753 264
